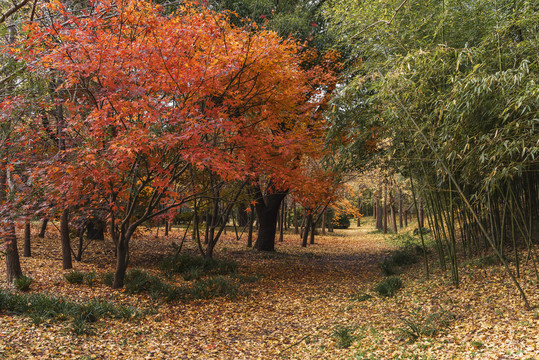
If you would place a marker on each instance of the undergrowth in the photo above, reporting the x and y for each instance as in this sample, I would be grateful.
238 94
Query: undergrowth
40 307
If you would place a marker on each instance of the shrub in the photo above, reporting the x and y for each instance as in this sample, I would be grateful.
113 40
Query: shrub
341 222
343 336
389 286
74 277
139 281
214 287
23 283
194 267
42 306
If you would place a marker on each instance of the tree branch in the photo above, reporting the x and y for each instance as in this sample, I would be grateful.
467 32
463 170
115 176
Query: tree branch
16 7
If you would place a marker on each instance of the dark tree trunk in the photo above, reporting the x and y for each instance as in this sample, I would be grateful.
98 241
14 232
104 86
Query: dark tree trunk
267 209
13 265
406 218
122 260
385 211
400 208
66 242
243 215
307 227
359 210
43 228
420 215
324 222
27 252
379 222
296 223
313 230
393 214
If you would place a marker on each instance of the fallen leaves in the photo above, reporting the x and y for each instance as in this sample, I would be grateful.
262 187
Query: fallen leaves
292 311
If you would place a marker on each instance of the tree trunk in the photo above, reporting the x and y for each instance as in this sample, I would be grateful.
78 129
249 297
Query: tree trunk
420 215
27 252
393 215
385 211
313 230
296 224
324 222
281 223
308 222
122 260
359 209
43 228
379 221
400 208
66 243
267 209
251 225
13 265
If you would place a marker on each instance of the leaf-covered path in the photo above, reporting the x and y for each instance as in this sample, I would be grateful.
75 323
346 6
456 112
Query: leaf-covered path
301 298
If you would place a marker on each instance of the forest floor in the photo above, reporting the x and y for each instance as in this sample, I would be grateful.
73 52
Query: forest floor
307 303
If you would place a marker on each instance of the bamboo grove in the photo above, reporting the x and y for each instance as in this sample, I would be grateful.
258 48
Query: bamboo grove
454 90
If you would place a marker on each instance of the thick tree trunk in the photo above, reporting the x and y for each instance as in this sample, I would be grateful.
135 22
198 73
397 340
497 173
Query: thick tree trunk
43 228
307 228
122 260
379 222
27 252
267 209
13 265
66 242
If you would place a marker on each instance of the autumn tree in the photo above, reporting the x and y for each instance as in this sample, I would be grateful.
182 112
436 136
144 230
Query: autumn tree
148 98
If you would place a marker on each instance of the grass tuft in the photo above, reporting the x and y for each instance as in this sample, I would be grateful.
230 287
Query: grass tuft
389 286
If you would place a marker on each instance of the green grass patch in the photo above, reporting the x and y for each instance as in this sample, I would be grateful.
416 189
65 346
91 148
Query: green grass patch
40 306
389 286
343 336
23 283
195 267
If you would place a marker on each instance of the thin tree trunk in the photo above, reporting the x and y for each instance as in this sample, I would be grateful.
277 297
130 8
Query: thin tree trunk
400 209
296 225
66 242
308 221
385 210
324 222
251 225
393 215
27 252
43 228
